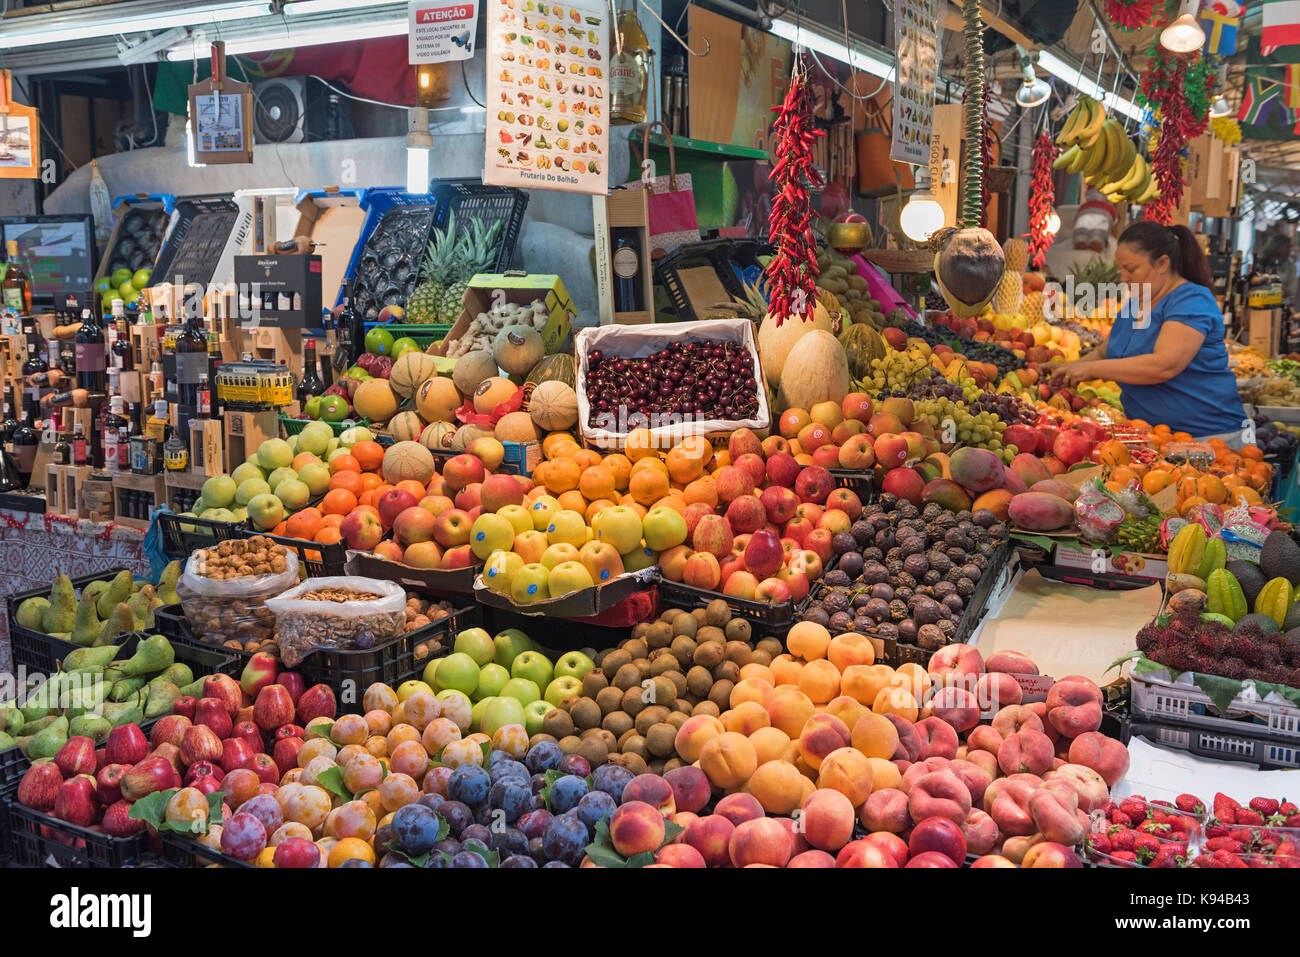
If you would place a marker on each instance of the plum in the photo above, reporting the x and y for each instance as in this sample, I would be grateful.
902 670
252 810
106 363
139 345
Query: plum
469 784
518 860
415 827
566 792
612 778
565 840
594 807
543 756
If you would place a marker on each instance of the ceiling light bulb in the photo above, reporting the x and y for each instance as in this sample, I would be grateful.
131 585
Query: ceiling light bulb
1184 35
922 217
1033 92
1053 223
1220 107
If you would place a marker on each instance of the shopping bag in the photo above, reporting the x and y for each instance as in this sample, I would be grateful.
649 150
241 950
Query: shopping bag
671 202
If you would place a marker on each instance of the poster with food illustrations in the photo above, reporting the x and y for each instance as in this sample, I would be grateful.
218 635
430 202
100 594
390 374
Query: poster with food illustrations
916 45
548 95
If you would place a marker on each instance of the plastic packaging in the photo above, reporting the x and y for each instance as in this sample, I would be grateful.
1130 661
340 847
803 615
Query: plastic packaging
319 614
1097 512
221 611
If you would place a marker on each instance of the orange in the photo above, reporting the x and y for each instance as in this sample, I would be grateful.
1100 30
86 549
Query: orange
332 521
414 487
686 462
1252 452
596 482
701 490
673 501
347 480
648 486
301 459
369 454
656 464
562 475
621 466
595 507
573 500
723 457
279 529
328 535
1182 436
371 480
305 524
349 848
586 458
563 447
338 501
639 444
345 463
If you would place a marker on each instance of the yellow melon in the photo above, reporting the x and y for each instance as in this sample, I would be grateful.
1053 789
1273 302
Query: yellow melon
437 399
375 400
409 371
516 427
553 406
491 393
438 436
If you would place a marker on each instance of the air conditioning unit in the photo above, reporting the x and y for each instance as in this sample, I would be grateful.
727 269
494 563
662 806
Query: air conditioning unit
298 109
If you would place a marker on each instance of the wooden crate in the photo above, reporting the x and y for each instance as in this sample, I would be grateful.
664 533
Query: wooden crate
181 481
95 499
245 431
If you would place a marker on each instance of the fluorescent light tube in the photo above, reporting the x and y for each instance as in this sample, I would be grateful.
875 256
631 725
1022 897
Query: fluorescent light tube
859 59
103 22
1071 76
295 37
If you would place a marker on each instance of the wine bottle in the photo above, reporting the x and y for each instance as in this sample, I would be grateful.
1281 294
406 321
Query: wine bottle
123 361
91 358
10 421
16 288
35 363
349 332
26 440
310 384
628 293
79 456
191 348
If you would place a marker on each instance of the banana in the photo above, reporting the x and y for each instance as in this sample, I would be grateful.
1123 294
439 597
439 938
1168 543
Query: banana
1080 157
1065 137
1151 192
1087 136
1097 157
1122 150
1137 175
1066 158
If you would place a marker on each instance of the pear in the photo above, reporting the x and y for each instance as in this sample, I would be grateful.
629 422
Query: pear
194 689
141 611
124 688
90 657
121 622
128 712
162 698
178 673
93 726
63 606
118 591
85 695
167 584
6 742
47 742
95 589
86 628
11 719
31 613
33 727
152 655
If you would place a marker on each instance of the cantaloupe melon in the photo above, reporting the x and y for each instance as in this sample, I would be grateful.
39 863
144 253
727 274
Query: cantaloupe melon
553 406
437 399
406 426
466 435
471 369
375 400
517 349
438 436
775 342
409 371
823 372
408 460
491 393
516 427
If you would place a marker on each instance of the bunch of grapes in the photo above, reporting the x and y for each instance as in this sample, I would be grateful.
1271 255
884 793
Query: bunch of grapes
1007 407
897 372
1005 360
937 386
954 425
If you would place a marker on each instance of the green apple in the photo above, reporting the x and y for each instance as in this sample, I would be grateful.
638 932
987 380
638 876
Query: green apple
534 714
529 584
517 516
562 688
457 672
408 688
620 526
315 437
316 476
249 470
637 559
279 475
664 528
534 666
500 712
293 493
249 489
476 713
522 690
266 511
573 664
491 679
476 643
509 645
358 433
218 515
240 514
274 454
219 490
341 450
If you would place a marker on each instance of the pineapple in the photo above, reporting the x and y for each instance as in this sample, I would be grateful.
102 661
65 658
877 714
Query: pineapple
1006 301
425 302
476 251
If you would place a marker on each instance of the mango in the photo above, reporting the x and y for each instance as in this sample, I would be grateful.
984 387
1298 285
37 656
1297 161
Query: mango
1040 512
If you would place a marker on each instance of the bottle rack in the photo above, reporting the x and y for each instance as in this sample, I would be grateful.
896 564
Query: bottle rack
182 489
135 497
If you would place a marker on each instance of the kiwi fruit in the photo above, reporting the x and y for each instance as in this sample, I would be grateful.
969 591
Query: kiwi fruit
709 654
686 626
557 723
665 690
664 664
684 649
600 657
655 767
651 716
633 701
622 738
609 700
643 666
658 635
720 693
698 681
707 706
569 745
771 645
636 647
717 612
615 660
541 736
678 718
738 629
637 745
631 760
617 723
593 682
698 615
738 651
659 739
760 658
679 682
585 713
710 633
727 671
594 750
672 764
641 629
628 676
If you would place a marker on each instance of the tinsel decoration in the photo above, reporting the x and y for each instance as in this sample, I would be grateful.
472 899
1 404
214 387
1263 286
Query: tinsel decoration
1042 200
972 207
1171 84
792 273
1130 16
1227 129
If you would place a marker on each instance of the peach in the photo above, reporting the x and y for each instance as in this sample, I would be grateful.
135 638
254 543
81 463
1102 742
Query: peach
710 836
1007 802
746 718
939 794
785 670
897 701
991 860
951 662
1014 718
976 779
957 707
1054 816
1106 756
808 640
891 844
790 712
981 832
689 786
886 810
1039 708
1089 786
1028 752
778 787
1074 706
996 689
770 744
821 735
694 733
862 853
875 735
653 790
635 828
914 678
938 835
739 808
986 761
849 710
1050 854
865 682
849 649
1011 662
984 738
820 681
938 739
848 771
811 859
909 742
729 760
761 841
751 689
683 820
827 819
1015 848
884 773
680 855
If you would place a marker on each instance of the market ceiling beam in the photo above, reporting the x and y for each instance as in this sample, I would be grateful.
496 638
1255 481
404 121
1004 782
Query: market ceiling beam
993 19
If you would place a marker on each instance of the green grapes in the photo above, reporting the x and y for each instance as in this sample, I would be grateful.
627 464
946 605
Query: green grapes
954 424
896 372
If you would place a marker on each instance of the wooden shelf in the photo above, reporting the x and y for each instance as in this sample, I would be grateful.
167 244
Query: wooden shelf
683 144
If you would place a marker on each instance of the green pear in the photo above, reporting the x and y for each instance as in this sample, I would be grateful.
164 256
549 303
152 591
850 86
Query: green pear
95 589
152 655
90 657
128 712
33 727
11 719
87 625
61 635
6 742
31 613
178 673
162 698
141 611
120 622
124 688
93 726
118 591
47 742
63 606
85 697
167 584
194 689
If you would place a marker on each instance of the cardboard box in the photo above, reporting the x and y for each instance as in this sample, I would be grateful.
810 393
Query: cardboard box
1100 562
245 431
521 458
334 218
73 478
622 209
287 289
519 288
95 499
1262 329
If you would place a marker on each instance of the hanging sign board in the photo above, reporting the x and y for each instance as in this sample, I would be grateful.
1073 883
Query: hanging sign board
20 135
917 64
548 95
441 31
221 115
945 158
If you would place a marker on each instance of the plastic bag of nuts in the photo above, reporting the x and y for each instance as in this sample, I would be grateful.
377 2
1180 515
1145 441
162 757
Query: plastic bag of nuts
350 614
223 591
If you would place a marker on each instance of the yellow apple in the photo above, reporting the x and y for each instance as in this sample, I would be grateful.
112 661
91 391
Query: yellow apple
489 533
620 526
560 552
500 569
567 526
602 561
568 577
518 516
530 546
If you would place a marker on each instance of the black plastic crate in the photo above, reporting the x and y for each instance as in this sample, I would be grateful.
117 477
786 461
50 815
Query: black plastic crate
862 484
555 635
40 840
471 199
181 851
765 620
728 258
183 536
36 650
6 835
191 251
13 765
320 560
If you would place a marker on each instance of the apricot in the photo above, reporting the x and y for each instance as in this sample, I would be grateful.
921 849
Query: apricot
790 712
849 649
847 709
770 743
697 731
808 640
885 773
827 819
750 689
848 771
912 677
309 805
778 787
895 700
785 670
746 718
820 681
379 697
821 735
315 748
757 672
865 682
875 736
379 722
729 760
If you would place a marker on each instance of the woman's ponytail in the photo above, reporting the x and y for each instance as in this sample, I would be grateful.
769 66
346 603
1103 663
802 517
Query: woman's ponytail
1192 264
1178 243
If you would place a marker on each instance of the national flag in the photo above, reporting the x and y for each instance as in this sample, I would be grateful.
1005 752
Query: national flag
1260 99
1220 31
1293 86
1281 19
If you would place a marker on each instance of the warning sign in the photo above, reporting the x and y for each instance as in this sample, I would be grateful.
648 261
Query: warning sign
441 31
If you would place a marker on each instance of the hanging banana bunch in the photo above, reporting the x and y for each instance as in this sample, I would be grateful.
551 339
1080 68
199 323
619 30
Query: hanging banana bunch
1100 149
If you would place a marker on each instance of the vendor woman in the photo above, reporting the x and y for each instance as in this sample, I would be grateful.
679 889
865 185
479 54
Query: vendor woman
1166 347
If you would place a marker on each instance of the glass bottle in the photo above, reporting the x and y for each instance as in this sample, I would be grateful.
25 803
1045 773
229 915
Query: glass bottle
204 397
123 361
26 440
112 423
349 332
628 287
79 456
10 421
62 447
191 348
157 425
90 356
35 363
310 384
15 288
629 69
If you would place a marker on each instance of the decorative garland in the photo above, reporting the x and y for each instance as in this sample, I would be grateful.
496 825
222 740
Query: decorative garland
1131 15
972 206
1042 199
1227 129
792 273
1178 89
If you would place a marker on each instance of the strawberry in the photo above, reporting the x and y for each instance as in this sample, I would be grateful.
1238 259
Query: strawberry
1145 846
1225 844
1287 861
1225 808
1258 861
1217 830
1265 806
1189 803
1292 820
1170 855
1288 808
1123 840
1248 817
1203 860
1098 842
1135 807
1181 824
1243 834
1235 861
1158 828
1119 817
1125 858
1286 849
1163 803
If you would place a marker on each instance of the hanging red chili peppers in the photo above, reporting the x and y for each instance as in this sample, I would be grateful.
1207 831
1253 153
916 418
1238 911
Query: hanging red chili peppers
1182 118
1042 200
792 273
1130 15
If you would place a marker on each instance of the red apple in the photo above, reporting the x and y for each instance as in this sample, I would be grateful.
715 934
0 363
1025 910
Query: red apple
258 673
451 528
414 525
393 503
462 470
773 591
458 557
361 530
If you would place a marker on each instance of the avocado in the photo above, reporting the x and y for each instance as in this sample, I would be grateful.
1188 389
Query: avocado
1250 578
1264 623
1280 557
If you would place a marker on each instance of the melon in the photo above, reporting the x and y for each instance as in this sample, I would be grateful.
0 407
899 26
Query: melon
409 371
438 436
491 393
554 406
823 372
862 344
406 426
775 342
374 399
437 399
559 367
517 349
471 369
408 460
466 435
516 427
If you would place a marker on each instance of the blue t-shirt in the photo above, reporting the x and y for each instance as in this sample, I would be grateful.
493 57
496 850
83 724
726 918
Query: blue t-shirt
1202 399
